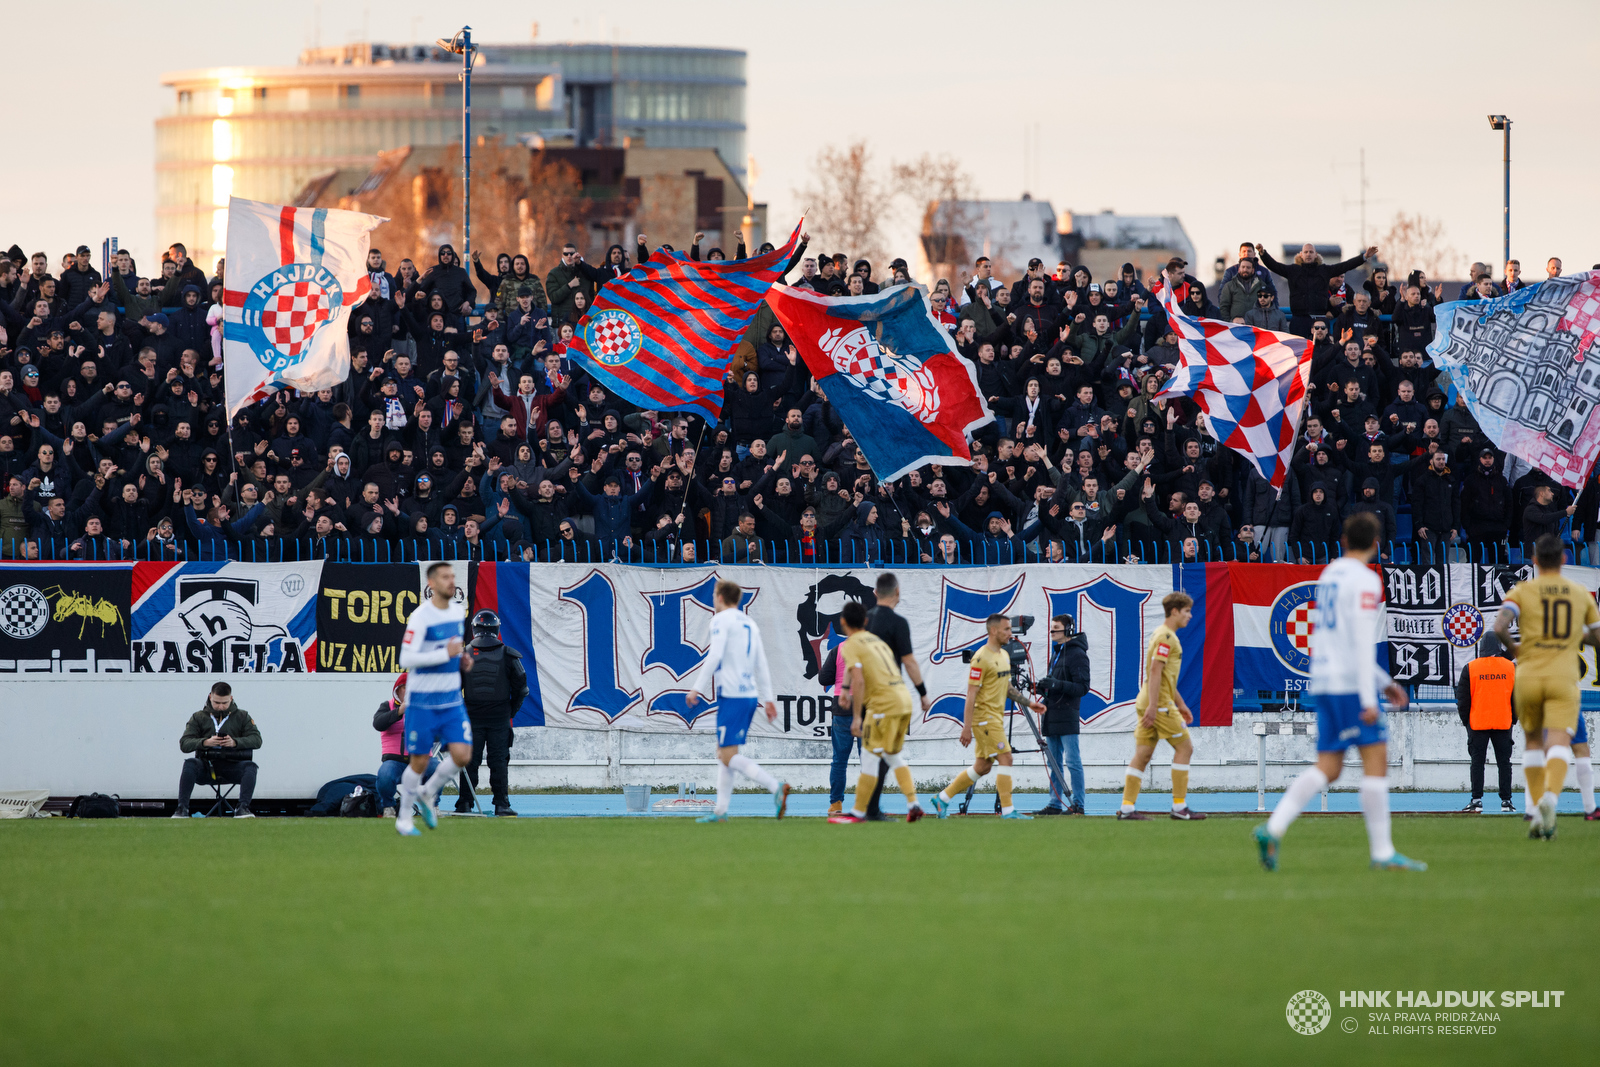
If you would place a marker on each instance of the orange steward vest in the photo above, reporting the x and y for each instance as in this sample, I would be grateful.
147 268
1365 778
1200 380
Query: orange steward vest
1491 678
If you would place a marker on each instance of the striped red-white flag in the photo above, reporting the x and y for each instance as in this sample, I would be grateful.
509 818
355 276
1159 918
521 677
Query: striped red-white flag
294 275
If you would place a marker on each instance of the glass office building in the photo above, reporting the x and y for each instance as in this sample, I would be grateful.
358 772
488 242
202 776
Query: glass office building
263 132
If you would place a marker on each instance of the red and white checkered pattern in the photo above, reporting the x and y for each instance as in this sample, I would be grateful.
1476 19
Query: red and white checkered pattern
294 315
1298 626
615 334
1583 314
1463 625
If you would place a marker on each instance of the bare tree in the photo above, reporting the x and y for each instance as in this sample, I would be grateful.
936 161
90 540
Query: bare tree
847 203
940 193
550 212
1416 242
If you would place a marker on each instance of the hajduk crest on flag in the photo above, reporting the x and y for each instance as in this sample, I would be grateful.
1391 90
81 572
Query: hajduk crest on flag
1525 364
1250 383
294 276
662 335
892 372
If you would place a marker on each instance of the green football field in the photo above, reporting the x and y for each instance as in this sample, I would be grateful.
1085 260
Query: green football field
657 941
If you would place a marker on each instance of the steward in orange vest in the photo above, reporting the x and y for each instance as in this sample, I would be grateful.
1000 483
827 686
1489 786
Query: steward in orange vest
1483 699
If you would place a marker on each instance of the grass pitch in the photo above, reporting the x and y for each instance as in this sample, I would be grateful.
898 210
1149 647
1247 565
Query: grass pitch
657 941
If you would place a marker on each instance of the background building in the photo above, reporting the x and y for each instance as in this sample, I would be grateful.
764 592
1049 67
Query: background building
1011 232
266 132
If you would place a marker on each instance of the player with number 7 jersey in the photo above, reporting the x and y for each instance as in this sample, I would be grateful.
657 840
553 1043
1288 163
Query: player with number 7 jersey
736 664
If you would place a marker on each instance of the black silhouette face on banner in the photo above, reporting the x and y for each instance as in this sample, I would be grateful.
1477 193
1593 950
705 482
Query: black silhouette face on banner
818 615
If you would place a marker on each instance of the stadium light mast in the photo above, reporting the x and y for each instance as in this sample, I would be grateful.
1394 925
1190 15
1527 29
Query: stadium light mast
1500 122
461 45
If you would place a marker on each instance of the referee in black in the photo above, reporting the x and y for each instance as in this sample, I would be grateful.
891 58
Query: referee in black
893 630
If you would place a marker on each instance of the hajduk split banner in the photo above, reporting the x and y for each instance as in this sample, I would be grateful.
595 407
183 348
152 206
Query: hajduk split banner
294 276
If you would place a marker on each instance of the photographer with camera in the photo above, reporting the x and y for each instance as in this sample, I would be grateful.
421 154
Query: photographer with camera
1062 688
222 736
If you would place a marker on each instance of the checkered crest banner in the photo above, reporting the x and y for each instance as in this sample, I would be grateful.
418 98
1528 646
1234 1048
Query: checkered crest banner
294 276
1250 384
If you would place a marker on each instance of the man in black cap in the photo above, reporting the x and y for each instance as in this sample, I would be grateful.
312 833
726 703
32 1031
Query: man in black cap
1485 503
78 280
494 683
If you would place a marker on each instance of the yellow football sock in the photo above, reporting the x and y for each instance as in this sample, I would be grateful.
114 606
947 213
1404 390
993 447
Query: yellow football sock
1130 786
865 784
1535 783
1555 775
902 774
1180 784
957 787
1002 785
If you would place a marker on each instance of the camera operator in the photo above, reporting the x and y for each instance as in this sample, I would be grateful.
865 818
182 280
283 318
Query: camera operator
222 736
1062 688
494 685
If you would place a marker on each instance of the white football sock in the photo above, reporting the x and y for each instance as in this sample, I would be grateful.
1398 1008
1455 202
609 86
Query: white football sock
724 788
753 771
448 771
410 782
1375 809
1584 769
1308 784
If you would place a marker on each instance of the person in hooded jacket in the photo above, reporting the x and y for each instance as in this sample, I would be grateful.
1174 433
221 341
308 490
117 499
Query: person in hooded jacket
1314 533
1063 687
1369 500
450 281
187 322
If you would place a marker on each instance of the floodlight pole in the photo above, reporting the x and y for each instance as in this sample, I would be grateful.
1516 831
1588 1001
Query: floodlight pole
466 142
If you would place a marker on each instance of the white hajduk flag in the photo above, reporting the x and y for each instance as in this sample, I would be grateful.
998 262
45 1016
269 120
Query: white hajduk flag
294 275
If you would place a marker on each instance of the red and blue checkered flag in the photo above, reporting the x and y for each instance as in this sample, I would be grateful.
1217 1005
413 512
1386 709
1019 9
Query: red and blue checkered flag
1250 383
662 336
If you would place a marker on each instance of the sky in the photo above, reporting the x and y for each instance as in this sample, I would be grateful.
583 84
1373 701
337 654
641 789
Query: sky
1247 122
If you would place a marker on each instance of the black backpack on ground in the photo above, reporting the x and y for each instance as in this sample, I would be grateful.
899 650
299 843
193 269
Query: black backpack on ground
359 804
95 806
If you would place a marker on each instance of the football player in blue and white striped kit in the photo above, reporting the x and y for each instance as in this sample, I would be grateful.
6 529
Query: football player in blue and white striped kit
737 662
431 653
1345 680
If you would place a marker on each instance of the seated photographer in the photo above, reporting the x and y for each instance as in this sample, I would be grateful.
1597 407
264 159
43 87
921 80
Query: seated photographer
390 721
222 736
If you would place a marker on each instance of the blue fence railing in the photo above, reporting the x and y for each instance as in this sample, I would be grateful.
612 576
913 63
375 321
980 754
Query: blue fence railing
845 553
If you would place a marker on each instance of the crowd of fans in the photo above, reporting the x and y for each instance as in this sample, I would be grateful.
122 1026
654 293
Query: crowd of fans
463 428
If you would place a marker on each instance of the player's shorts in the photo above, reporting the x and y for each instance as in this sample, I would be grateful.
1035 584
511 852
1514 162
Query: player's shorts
990 737
1545 704
448 725
733 719
1339 723
1169 726
885 734
1582 736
